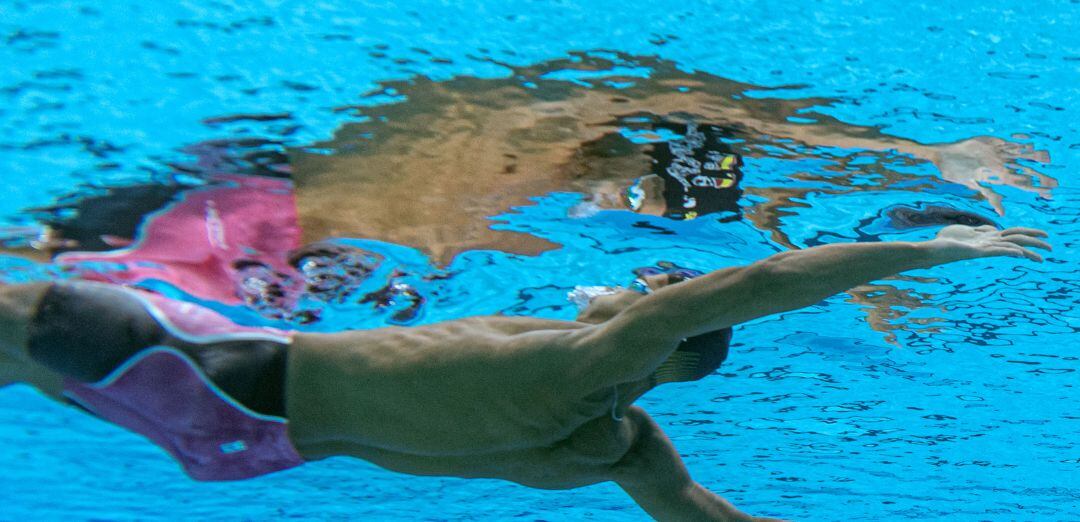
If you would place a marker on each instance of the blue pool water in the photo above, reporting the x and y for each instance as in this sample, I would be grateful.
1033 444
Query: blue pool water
947 397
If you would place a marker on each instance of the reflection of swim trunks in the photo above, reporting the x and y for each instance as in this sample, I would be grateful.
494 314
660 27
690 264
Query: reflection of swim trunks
209 392
202 242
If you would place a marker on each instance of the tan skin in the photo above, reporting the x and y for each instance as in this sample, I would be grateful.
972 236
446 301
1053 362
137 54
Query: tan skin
530 400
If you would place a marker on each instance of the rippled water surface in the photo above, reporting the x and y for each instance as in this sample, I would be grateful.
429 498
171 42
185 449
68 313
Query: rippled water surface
472 158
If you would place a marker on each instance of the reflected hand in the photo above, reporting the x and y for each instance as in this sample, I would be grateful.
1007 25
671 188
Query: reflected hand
979 162
959 242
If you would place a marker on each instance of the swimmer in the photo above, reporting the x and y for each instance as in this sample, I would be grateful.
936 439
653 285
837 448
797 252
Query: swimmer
543 403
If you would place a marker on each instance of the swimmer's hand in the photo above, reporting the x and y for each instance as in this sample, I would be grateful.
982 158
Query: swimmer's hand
959 242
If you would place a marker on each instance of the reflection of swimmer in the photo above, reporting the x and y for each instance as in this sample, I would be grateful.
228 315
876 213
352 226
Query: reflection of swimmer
233 241
102 221
430 170
543 403
898 218
109 218
888 307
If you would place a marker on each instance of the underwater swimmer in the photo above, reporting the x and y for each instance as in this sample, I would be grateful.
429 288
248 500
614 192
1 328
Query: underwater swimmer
544 403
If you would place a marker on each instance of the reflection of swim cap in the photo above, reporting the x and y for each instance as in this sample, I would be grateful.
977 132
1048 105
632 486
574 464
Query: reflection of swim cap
701 173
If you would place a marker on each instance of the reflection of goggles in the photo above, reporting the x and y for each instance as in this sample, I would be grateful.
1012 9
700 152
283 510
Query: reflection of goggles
635 195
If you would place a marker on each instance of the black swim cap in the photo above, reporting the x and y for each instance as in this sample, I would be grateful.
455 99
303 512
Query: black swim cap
701 172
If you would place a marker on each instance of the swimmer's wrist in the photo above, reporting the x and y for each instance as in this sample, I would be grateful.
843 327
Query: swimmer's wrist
939 251
913 255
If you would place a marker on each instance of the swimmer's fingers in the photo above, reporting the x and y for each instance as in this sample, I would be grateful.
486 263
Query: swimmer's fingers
1008 249
1028 176
1027 241
1024 151
1025 231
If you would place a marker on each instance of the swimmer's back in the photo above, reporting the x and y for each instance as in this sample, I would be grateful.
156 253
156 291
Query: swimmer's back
485 383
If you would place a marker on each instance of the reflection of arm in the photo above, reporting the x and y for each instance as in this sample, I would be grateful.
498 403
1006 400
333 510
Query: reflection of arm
826 131
976 163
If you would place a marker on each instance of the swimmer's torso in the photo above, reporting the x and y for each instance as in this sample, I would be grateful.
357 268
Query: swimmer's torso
478 385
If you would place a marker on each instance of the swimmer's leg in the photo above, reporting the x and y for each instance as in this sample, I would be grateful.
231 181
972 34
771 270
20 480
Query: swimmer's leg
18 305
653 474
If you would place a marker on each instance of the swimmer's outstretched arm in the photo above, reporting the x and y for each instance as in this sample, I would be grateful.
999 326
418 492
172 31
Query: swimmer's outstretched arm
646 332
